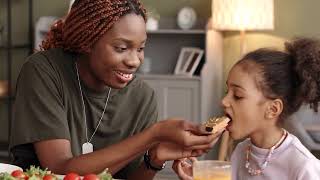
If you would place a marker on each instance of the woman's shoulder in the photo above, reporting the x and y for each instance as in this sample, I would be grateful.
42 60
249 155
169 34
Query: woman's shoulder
51 56
53 61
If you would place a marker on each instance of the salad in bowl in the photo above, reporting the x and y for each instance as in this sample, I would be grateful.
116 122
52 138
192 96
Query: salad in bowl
36 173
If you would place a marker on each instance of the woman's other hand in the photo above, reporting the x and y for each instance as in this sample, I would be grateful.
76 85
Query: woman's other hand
183 168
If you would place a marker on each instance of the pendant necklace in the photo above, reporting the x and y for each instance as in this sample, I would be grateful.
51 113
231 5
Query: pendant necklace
257 172
87 147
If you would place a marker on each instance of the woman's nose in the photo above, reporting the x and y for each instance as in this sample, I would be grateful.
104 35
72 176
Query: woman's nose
133 60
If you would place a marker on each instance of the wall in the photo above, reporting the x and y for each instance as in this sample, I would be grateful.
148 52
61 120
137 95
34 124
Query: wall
292 18
59 7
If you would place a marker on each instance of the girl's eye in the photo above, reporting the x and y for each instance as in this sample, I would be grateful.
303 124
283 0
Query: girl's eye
141 49
237 97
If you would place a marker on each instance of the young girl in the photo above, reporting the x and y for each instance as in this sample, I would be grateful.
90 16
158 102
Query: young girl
264 88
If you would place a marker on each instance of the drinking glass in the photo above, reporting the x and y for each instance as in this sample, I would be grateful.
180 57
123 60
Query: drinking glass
211 170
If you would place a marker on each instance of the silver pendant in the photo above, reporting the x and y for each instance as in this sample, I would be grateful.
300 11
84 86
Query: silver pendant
87 148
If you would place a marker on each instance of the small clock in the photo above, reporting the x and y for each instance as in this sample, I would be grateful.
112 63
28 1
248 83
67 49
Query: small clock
186 18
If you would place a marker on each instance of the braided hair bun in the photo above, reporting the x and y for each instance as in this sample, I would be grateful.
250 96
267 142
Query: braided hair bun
87 22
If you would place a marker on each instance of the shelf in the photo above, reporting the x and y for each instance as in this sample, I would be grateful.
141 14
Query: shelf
18 46
6 98
168 76
177 31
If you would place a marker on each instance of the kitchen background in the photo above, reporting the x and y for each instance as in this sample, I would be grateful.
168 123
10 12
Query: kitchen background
292 18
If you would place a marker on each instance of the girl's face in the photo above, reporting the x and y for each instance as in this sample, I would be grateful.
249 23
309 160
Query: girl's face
117 55
244 103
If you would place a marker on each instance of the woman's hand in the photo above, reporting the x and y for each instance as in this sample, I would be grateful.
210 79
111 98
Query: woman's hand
183 133
183 168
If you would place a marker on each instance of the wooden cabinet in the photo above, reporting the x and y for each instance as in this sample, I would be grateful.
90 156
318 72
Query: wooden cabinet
177 96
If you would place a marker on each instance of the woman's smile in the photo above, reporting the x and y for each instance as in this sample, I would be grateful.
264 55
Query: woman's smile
124 77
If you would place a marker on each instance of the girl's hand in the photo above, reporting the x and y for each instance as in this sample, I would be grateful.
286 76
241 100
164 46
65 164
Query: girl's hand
183 168
169 151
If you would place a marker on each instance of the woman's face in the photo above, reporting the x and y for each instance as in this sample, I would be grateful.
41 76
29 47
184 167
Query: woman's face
244 103
117 55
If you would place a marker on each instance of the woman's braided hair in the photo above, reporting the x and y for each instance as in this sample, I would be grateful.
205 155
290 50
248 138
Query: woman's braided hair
88 21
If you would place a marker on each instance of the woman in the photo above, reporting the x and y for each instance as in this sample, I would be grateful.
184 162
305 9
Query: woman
80 94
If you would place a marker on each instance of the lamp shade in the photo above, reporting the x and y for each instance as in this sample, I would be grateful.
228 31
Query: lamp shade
242 14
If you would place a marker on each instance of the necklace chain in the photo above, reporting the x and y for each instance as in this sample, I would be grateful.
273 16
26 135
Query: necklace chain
257 172
84 108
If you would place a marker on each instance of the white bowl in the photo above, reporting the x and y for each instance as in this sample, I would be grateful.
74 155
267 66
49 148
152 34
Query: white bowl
8 168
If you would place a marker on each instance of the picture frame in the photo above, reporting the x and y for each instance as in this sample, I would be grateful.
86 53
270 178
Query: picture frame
188 60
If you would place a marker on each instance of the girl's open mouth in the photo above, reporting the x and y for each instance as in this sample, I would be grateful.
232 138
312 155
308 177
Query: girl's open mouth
230 122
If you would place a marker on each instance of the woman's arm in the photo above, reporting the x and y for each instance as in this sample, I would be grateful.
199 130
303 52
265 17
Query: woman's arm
56 154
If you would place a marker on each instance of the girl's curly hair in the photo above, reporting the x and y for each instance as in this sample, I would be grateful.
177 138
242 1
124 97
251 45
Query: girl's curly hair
292 76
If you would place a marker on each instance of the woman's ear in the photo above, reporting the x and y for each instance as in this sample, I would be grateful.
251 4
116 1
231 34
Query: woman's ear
274 109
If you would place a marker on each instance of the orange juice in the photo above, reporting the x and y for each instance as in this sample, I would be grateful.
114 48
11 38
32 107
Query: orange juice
214 177
211 170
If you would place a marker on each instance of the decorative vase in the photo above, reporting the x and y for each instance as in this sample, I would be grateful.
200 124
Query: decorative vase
152 24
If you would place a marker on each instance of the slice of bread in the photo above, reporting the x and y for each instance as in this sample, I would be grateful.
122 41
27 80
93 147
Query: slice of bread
215 124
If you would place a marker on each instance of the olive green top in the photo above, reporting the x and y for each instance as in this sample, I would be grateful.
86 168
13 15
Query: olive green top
48 105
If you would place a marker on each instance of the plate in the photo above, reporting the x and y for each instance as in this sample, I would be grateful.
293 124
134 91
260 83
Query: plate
8 168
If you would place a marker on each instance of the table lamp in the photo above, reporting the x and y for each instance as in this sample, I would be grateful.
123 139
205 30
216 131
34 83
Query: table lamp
242 15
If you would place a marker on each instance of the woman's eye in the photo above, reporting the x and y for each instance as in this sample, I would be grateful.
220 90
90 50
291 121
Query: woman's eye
120 49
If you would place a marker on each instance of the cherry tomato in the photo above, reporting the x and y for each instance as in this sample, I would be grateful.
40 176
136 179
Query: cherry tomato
19 174
49 177
90 177
72 176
